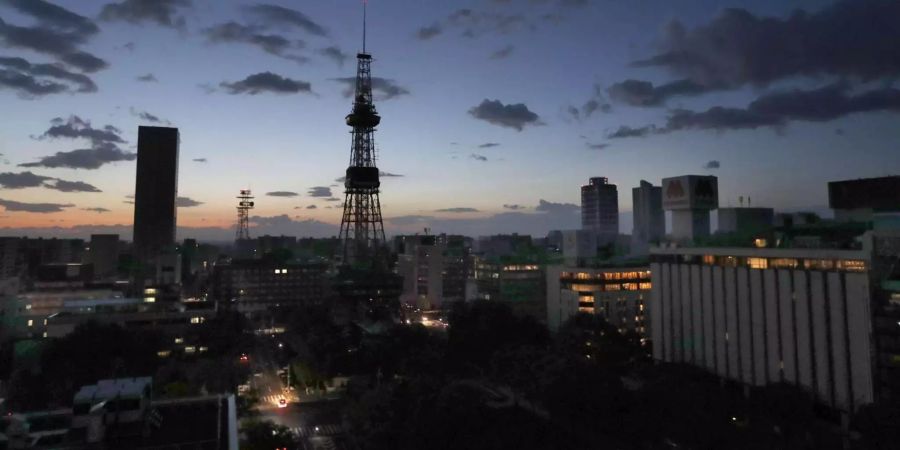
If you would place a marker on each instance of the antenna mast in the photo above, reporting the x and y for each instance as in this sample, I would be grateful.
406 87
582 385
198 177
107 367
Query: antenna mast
365 2
243 209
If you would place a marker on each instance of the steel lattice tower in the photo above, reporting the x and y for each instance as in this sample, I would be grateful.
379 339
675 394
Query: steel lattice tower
243 211
362 228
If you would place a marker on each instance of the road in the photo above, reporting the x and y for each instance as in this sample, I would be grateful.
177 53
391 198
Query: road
316 424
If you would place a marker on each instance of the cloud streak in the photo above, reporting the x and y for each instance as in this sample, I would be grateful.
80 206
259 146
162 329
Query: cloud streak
266 82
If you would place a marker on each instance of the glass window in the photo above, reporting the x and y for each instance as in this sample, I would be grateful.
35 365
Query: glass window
784 263
758 263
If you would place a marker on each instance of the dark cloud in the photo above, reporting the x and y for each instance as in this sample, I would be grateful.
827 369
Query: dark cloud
513 207
71 186
382 88
515 116
273 44
553 216
61 44
457 210
185 202
129 202
286 17
160 12
266 82
86 158
147 78
77 128
551 207
42 208
627 132
503 53
644 93
320 191
96 210
382 173
332 199
489 145
778 109
55 16
10 180
714 164
311 207
599 146
282 194
147 117
335 54
597 102
478 157
199 160
427 32
856 39
471 23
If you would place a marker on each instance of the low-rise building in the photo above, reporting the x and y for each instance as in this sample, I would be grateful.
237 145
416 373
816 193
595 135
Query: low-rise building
618 294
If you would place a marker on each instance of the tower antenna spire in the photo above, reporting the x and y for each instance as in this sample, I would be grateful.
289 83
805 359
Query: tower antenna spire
365 2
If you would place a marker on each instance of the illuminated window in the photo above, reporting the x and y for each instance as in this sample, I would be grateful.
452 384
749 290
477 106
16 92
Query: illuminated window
163 353
45 322
729 261
179 340
818 264
196 319
630 286
758 263
760 243
784 263
645 286
190 349
30 322
45 334
28 306
851 265
150 291
150 299
709 260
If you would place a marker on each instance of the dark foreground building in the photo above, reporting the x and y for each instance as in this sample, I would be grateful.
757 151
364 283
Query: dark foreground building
156 188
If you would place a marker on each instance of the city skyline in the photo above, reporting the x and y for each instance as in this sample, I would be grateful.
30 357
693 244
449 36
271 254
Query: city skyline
476 138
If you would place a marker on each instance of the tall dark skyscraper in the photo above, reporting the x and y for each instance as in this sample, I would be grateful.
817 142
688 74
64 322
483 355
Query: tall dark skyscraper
600 209
156 188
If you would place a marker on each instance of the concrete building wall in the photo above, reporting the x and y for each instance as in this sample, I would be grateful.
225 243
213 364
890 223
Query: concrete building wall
782 320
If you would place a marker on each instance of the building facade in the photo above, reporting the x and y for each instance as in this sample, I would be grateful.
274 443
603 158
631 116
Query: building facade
103 254
745 220
690 198
600 209
858 200
260 285
649 219
618 294
521 286
762 316
155 193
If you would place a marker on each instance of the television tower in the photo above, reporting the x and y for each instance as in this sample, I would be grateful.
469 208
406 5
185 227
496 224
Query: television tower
362 228
243 209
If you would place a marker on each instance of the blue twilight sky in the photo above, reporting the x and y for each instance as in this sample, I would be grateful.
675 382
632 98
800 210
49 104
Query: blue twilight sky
494 111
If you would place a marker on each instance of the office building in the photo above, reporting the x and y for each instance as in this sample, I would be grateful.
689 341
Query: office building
600 209
618 294
690 198
649 219
155 193
745 220
502 245
103 254
421 264
822 319
260 285
519 285
579 247
859 200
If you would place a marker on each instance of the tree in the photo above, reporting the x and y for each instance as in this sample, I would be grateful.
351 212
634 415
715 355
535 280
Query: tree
265 435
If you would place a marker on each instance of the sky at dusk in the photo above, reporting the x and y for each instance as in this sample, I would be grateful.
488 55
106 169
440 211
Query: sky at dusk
494 112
